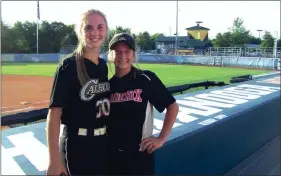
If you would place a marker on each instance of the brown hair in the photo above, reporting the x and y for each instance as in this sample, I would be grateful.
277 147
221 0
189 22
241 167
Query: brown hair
79 51
111 57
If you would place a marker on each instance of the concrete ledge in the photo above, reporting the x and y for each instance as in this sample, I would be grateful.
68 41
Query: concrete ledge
219 145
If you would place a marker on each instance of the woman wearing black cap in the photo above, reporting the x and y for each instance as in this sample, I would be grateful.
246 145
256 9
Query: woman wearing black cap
134 92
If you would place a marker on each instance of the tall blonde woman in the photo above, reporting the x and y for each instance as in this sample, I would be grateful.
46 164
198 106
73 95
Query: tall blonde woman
79 100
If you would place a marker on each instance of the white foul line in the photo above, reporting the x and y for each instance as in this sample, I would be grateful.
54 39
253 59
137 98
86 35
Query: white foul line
18 110
39 102
266 74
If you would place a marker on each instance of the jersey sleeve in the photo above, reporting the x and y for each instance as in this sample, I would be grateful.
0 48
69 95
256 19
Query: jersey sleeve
159 96
60 88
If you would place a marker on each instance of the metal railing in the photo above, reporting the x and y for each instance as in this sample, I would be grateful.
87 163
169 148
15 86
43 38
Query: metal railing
216 51
243 52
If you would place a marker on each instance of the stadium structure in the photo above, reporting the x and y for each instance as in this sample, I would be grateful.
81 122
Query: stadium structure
196 41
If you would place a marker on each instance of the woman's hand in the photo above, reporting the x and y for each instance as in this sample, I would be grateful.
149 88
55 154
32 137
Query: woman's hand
151 144
56 169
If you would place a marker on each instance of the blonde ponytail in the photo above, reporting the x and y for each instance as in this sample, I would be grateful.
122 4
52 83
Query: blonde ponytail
80 65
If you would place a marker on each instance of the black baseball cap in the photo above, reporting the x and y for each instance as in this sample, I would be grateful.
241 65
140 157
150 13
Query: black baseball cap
123 38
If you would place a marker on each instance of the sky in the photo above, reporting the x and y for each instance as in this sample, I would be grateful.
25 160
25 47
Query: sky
155 16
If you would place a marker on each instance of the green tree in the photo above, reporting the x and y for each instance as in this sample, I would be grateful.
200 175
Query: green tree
30 35
59 31
53 36
46 38
268 40
70 38
239 34
6 39
110 35
22 37
156 35
223 40
144 41
134 37
120 29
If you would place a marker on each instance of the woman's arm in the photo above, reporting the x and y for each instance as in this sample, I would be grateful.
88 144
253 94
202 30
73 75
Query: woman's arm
53 131
151 144
59 98
170 117
161 99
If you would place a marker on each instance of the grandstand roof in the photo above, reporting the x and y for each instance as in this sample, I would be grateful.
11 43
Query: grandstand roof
197 28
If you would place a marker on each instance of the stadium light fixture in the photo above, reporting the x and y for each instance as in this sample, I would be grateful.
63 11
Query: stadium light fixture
259 30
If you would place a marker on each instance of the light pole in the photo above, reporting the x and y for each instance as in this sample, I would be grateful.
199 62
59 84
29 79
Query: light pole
259 30
37 29
275 44
176 43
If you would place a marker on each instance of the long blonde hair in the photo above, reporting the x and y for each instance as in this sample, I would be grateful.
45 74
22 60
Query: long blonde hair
79 51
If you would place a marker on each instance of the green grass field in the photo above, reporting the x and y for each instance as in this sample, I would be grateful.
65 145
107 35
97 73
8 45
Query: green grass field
168 73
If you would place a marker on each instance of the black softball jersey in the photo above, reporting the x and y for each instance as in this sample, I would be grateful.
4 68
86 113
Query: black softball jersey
85 112
131 119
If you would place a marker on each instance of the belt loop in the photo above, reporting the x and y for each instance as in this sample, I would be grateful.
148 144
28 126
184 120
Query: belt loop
96 132
83 132
100 131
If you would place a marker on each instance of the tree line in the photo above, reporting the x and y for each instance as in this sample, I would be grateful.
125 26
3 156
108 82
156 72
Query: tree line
22 37
238 36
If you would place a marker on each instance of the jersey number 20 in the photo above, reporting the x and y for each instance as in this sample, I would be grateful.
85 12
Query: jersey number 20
103 107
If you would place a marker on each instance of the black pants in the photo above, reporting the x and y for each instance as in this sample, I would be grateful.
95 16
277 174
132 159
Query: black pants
84 155
131 162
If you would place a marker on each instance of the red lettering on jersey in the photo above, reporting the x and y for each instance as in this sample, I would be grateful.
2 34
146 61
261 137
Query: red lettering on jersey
131 95
126 96
118 95
121 99
112 98
137 93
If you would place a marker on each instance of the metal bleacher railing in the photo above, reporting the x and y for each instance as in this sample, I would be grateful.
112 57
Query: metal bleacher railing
243 52
217 51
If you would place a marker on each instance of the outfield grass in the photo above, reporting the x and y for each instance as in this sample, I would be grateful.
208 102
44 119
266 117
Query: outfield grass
168 73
